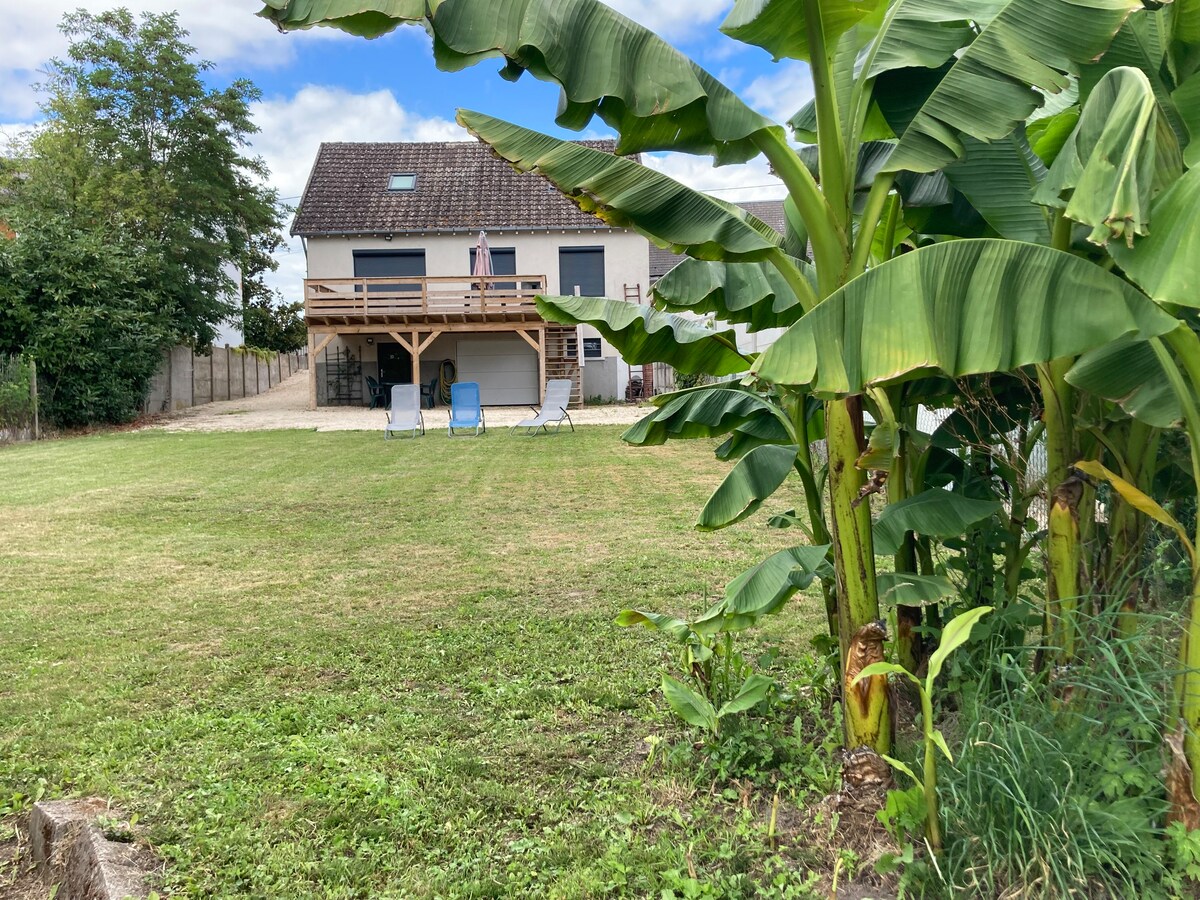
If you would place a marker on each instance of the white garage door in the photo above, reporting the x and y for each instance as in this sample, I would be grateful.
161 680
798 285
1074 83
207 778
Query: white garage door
505 367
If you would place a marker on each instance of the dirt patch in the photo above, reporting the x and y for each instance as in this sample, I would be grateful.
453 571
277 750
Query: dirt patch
19 879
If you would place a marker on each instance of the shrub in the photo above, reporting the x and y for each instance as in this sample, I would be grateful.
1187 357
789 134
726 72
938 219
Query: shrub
16 402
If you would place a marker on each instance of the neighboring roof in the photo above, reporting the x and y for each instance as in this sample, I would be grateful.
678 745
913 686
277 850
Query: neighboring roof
461 186
770 211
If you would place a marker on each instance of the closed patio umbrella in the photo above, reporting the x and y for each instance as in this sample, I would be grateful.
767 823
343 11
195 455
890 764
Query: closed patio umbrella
483 257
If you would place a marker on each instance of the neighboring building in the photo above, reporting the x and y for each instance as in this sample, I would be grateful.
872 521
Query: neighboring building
389 234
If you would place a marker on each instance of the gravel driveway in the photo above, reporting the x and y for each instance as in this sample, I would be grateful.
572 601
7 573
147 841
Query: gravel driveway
286 406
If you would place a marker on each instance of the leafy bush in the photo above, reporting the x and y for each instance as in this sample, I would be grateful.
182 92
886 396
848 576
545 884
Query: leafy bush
16 402
270 324
81 301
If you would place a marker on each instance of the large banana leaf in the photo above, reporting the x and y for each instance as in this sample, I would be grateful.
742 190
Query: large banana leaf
628 195
1143 43
752 293
756 477
643 335
1166 262
1128 372
765 588
781 28
1186 98
993 85
933 513
999 180
961 307
906 589
708 412
1105 175
607 65
926 33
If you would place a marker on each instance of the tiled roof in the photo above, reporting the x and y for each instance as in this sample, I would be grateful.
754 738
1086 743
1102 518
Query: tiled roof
461 186
770 211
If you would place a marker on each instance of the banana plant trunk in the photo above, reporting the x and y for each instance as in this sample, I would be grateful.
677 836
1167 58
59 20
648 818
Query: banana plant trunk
867 707
1065 492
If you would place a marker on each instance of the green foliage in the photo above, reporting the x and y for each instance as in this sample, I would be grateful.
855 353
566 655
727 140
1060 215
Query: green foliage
84 304
272 325
135 143
16 400
1056 790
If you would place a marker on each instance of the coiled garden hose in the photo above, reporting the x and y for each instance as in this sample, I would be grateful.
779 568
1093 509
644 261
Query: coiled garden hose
446 376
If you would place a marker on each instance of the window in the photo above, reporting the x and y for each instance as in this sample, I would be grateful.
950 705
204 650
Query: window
582 268
591 348
389 263
403 181
504 262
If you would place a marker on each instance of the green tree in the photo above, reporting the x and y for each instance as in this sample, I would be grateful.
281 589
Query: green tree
270 324
135 142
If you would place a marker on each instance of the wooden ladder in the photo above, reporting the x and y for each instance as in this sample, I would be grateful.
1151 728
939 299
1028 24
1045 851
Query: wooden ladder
633 294
562 359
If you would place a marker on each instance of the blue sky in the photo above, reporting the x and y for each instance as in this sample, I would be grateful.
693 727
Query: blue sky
321 85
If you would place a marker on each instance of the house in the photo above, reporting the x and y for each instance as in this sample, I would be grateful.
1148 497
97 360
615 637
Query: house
390 231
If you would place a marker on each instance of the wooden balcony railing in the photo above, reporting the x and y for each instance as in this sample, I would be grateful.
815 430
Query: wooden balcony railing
411 299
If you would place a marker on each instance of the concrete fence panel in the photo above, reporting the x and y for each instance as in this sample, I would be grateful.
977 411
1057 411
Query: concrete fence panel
227 373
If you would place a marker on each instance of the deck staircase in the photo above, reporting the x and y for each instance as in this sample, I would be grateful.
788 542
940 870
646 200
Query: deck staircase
562 359
633 294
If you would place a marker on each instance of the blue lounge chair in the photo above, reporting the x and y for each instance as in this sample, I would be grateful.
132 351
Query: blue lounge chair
405 414
465 410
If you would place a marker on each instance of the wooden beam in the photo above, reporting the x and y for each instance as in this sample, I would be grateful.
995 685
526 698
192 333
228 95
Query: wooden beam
401 341
331 328
530 341
541 365
415 351
429 340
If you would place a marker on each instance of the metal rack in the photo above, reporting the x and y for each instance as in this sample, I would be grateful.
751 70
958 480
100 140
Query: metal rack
343 379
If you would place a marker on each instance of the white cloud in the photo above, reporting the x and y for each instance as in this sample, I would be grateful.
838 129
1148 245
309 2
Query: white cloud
781 93
292 128
674 21
751 181
221 30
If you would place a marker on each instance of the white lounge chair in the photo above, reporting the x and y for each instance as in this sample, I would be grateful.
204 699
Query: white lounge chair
554 408
405 414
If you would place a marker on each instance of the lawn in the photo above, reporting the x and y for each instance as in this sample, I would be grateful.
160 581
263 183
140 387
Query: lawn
322 665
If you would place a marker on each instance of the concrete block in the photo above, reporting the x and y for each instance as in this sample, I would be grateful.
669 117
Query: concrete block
70 851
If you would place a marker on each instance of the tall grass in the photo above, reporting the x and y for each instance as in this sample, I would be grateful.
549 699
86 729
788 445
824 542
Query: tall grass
1057 791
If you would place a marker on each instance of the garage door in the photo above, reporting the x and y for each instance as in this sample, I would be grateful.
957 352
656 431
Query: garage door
506 369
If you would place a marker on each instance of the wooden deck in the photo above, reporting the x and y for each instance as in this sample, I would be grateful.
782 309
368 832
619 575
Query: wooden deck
424 301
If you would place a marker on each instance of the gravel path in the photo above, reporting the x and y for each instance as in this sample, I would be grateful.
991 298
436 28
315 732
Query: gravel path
286 406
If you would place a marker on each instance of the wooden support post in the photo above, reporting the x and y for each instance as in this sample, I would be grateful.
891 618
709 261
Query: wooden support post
313 349
541 366
415 356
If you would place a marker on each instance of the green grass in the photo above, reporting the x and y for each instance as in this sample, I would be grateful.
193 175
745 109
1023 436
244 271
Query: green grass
322 665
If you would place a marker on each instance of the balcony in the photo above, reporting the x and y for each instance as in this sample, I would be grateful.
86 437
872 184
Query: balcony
410 300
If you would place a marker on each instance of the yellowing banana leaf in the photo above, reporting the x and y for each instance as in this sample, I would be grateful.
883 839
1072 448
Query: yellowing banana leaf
606 64
934 513
752 293
962 308
1166 262
756 477
707 412
628 195
781 28
1138 500
1105 175
990 88
642 334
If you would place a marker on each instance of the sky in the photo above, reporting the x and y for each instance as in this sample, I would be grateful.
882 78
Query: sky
321 85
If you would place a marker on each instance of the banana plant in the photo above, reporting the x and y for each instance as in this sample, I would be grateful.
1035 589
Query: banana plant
943 89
